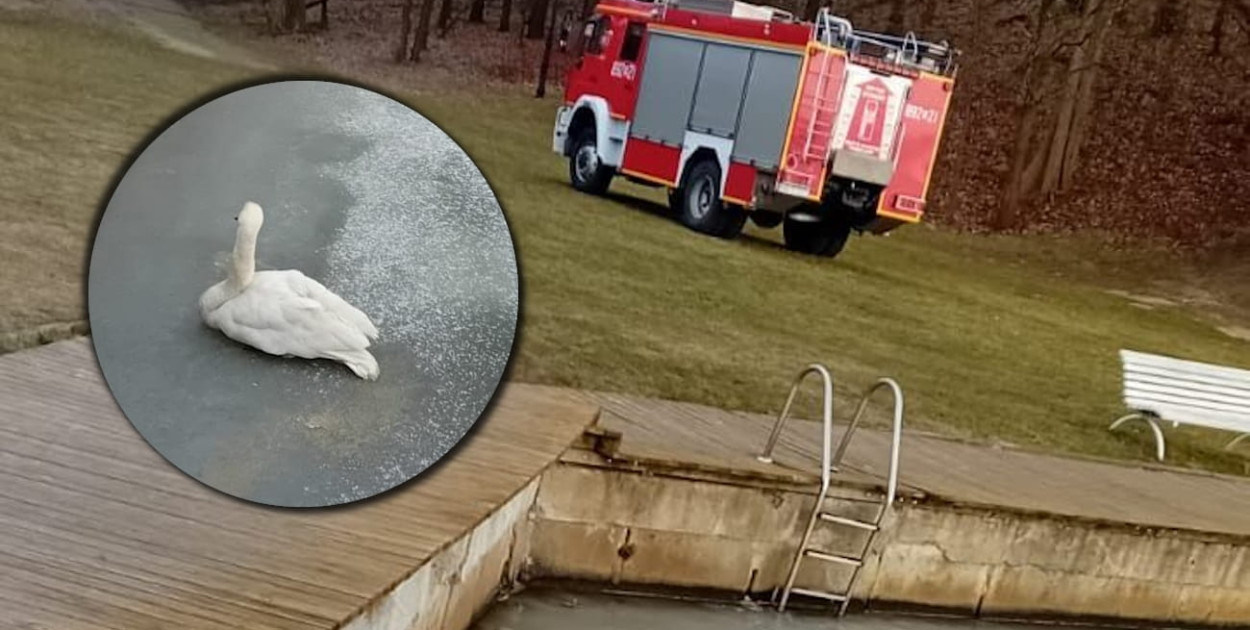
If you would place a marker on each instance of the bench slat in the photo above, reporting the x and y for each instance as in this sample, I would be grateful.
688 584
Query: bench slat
1188 392
1139 372
1237 404
1191 416
1175 401
1234 375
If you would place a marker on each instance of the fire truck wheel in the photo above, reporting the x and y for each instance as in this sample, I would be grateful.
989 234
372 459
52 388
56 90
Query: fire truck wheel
701 207
587 173
819 238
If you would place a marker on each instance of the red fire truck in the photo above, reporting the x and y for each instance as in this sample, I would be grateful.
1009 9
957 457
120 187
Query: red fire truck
741 111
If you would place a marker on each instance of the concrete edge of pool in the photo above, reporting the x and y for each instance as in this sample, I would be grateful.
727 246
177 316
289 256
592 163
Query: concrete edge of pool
677 503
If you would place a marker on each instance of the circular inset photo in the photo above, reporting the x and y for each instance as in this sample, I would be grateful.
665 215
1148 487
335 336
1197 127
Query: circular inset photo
303 293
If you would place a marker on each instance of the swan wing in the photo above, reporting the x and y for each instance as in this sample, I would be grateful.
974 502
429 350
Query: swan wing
308 288
273 317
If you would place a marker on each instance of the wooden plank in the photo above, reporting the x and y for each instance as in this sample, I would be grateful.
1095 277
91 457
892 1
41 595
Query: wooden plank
97 530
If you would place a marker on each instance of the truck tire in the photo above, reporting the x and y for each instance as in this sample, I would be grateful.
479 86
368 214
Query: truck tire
701 208
818 238
587 173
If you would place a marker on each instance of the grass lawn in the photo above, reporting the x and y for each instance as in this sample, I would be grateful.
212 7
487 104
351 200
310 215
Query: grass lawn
994 338
987 340
75 102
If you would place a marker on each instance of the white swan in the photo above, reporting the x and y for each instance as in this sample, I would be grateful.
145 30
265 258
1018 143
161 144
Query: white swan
285 312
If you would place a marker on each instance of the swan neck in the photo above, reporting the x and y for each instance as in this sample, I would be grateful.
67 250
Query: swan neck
244 259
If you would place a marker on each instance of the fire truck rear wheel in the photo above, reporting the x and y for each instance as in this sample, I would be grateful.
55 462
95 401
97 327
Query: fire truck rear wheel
819 238
587 173
701 208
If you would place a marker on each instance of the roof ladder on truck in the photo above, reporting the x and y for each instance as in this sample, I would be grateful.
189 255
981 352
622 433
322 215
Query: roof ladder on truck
824 108
830 459
817 111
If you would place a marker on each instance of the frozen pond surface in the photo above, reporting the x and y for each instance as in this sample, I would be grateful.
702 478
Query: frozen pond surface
360 193
544 609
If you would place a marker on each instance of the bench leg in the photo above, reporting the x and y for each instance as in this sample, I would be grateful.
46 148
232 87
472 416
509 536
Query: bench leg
1237 440
1154 427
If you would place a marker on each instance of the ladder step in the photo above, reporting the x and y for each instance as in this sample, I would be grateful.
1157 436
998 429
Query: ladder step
849 522
832 557
833 597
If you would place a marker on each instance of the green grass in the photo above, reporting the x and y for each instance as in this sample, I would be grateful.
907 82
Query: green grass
75 101
989 341
994 338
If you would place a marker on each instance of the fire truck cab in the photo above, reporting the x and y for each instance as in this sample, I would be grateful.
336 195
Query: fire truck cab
741 111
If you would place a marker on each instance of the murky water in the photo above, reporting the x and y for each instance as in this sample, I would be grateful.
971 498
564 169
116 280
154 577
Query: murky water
544 609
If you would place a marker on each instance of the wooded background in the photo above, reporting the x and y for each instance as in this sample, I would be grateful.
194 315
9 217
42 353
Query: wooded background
1124 116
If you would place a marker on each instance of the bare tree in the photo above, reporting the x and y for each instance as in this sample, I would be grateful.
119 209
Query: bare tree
505 16
1028 110
285 16
421 40
294 16
477 11
534 21
1076 100
1057 100
444 17
1217 28
546 62
405 18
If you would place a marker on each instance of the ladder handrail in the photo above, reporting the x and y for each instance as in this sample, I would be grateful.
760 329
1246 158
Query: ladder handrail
815 368
896 438
830 460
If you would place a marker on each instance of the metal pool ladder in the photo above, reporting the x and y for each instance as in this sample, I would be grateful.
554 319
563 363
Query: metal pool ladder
829 464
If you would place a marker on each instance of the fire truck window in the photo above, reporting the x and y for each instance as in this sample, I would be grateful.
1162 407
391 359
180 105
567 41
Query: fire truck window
633 42
594 35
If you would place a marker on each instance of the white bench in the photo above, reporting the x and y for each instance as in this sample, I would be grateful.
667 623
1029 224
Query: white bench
1185 392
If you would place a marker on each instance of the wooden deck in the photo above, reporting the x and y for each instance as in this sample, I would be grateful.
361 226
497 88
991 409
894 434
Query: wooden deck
682 436
98 531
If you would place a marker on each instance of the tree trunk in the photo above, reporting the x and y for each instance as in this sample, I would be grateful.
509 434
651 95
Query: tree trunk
1025 157
1072 111
405 19
505 16
1085 94
546 63
477 11
537 15
273 15
421 40
1217 28
444 17
294 15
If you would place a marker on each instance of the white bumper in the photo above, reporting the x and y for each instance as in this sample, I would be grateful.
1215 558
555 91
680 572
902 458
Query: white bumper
560 134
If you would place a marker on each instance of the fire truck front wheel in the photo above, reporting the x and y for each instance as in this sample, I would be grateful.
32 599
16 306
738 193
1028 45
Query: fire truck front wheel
587 173
825 237
701 208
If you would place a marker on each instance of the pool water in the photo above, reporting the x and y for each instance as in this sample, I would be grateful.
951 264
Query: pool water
549 609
